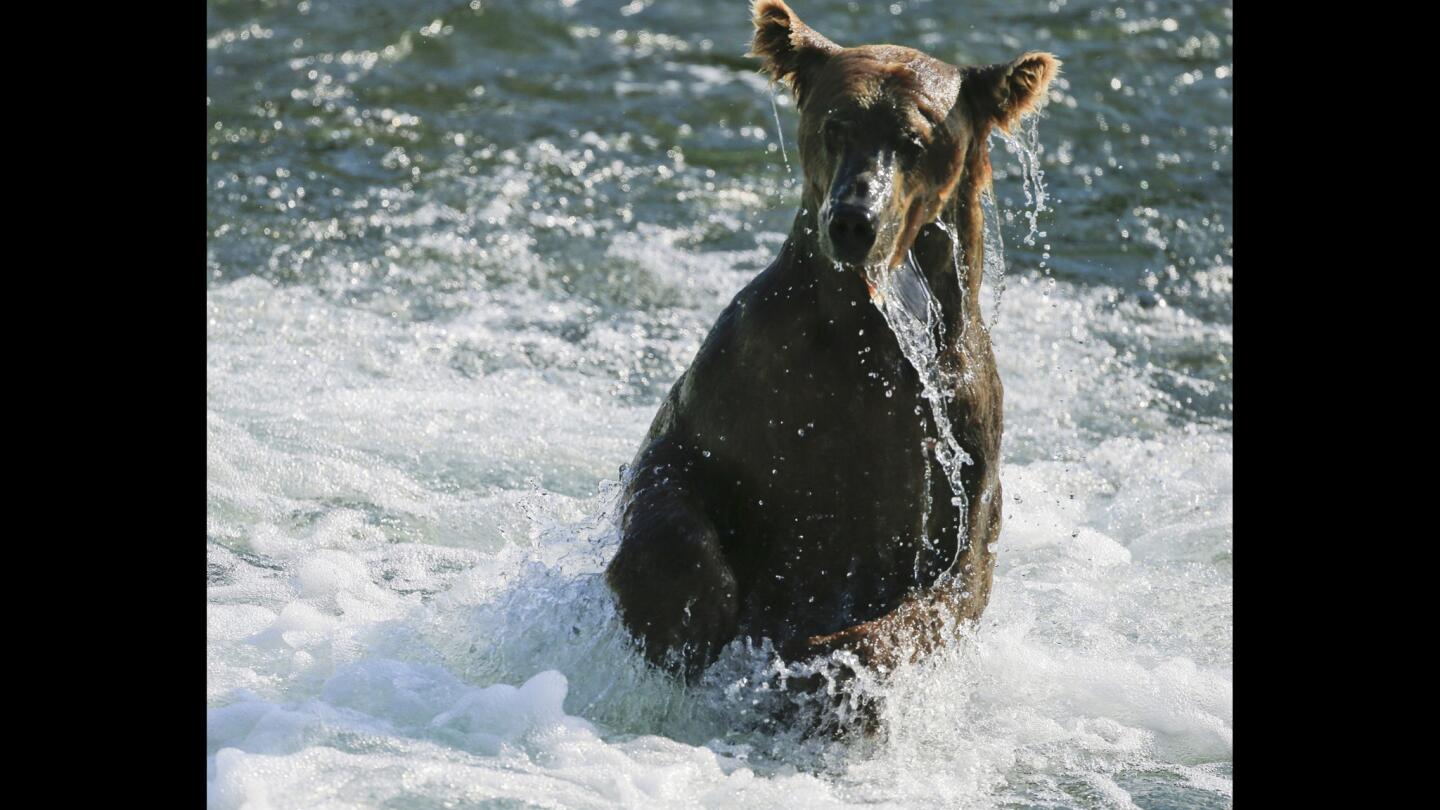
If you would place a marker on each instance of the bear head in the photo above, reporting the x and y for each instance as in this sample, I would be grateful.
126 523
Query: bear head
887 133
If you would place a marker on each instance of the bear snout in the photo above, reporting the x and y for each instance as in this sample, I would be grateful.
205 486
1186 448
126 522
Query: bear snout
852 232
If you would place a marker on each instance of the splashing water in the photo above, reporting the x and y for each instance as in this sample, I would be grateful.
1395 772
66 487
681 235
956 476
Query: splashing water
912 313
956 262
1024 144
780 131
993 266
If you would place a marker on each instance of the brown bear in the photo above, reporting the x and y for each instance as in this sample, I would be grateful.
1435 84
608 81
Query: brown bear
794 484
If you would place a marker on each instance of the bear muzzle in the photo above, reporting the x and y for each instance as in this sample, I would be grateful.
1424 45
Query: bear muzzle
851 229
857 217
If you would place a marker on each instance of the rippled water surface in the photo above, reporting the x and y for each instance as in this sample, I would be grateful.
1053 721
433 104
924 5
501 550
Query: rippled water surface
456 255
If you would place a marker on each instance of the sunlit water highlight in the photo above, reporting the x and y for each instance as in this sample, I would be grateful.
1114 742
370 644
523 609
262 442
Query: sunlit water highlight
914 316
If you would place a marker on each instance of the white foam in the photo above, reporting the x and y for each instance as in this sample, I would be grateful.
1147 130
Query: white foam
407 533
375 720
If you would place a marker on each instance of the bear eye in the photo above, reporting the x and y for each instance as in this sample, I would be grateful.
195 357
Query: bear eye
833 131
910 146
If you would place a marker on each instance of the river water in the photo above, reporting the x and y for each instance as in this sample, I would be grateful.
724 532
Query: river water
457 253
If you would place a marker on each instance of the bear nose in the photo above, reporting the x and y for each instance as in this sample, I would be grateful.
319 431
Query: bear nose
852 231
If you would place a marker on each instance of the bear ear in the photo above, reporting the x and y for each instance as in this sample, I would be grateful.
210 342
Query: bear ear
1007 91
790 48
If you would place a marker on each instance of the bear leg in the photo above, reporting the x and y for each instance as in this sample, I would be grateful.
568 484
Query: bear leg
674 587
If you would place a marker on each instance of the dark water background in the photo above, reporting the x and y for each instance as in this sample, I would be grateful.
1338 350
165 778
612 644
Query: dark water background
322 113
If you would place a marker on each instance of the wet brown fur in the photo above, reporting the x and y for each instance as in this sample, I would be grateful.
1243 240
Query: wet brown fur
780 491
